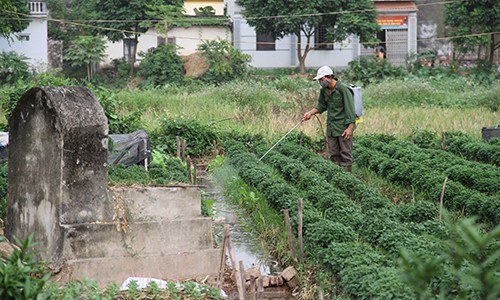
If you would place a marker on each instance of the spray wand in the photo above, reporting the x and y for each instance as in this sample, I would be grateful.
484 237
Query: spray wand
280 140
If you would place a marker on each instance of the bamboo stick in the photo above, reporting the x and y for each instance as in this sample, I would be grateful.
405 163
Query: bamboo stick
223 256
441 199
289 235
301 245
236 273
242 280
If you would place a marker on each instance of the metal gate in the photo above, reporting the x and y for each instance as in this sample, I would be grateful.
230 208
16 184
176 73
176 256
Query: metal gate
397 46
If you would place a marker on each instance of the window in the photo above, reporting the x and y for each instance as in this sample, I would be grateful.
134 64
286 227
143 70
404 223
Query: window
321 41
161 41
128 49
171 40
265 42
23 37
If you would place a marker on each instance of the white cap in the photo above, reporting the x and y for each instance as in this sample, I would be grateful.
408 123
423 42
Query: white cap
322 72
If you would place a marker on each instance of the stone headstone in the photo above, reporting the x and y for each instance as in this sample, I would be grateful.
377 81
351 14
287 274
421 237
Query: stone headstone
57 166
58 192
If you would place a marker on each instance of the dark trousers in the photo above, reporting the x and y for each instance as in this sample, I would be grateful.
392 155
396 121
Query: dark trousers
340 151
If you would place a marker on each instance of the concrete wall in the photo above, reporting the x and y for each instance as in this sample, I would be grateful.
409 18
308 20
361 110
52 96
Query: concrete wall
57 155
285 55
431 26
36 48
187 39
114 50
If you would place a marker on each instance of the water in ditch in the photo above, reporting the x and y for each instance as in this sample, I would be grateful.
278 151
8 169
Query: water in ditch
245 243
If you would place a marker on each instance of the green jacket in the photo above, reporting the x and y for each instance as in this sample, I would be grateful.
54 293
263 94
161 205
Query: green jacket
340 108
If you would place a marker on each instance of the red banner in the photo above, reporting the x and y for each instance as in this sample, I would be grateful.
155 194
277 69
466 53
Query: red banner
392 21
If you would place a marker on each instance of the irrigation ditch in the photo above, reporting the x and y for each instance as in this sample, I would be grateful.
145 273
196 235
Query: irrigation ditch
248 251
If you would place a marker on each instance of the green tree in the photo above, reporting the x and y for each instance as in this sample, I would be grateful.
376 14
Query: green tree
61 10
85 50
469 17
304 18
15 17
130 15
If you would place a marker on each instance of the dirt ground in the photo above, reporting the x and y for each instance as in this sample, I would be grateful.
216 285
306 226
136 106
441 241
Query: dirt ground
194 65
270 293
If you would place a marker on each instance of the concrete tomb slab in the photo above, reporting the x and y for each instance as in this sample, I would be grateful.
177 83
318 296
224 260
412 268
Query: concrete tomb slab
58 152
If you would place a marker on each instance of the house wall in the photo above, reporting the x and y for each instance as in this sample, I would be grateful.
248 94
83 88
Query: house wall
36 48
187 39
114 50
285 55
431 28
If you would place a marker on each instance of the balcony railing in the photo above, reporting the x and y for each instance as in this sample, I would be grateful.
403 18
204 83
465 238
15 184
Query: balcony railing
38 8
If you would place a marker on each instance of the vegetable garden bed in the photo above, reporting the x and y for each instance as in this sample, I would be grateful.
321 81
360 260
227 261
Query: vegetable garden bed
360 236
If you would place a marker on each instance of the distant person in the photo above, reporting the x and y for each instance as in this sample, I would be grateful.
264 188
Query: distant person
337 100
380 51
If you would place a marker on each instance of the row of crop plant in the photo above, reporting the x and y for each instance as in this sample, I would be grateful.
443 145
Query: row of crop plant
477 176
365 272
358 239
380 227
369 198
460 144
406 164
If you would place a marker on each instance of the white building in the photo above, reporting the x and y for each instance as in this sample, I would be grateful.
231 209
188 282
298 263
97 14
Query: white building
269 53
186 38
32 42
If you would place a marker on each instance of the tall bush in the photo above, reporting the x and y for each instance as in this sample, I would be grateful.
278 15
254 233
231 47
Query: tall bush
13 66
161 65
199 138
370 71
471 256
225 62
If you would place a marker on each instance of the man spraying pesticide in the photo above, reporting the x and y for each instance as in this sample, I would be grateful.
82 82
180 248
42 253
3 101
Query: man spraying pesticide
338 100
345 110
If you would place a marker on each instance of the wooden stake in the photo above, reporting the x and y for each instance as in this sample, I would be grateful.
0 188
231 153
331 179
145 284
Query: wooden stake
441 199
223 256
178 143
260 288
252 288
183 152
214 142
194 172
243 280
290 236
236 273
301 245
188 166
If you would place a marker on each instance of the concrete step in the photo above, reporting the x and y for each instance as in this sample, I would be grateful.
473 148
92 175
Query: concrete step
157 203
137 238
178 266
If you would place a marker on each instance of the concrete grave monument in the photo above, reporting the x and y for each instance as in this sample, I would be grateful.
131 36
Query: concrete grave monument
58 152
